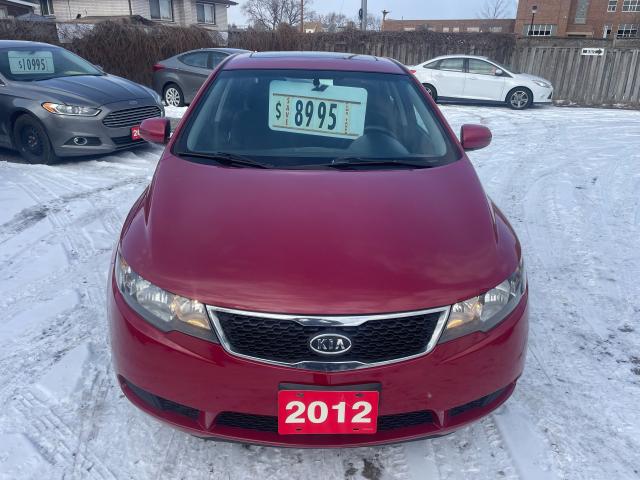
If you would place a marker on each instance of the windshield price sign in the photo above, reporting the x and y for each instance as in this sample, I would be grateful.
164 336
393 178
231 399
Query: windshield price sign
23 62
317 109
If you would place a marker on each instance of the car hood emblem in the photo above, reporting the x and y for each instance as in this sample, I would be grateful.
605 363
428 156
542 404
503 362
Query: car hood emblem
330 344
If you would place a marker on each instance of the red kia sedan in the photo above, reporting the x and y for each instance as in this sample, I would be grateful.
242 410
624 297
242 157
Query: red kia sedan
315 263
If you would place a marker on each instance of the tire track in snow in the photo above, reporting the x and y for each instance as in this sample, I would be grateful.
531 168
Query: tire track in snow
52 434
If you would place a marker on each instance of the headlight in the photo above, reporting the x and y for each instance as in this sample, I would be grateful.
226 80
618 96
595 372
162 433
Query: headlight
165 310
72 110
540 83
482 313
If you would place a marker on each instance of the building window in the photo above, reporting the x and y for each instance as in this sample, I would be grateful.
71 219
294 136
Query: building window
631 6
473 29
46 7
539 30
613 5
581 11
627 30
606 31
206 13
161 9
495 29
4 13
445 29
455 29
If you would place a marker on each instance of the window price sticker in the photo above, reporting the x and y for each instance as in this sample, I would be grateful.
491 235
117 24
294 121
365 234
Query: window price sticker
25 62
323 109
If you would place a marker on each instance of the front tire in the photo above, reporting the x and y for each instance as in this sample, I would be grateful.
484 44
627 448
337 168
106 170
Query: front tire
431 90
32 141
519 98
173 96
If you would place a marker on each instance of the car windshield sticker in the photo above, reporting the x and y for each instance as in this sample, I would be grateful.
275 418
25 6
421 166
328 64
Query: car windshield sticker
317 109
23 62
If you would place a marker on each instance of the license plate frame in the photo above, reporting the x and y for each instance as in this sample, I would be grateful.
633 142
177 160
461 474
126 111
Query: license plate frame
329 411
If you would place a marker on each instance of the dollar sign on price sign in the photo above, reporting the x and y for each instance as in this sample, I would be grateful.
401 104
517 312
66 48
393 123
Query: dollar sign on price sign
278 110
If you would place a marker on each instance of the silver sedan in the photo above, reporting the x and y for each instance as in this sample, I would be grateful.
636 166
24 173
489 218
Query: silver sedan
177 79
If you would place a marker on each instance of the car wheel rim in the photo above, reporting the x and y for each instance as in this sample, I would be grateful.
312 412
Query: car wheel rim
519 99
172 97
429 91
31 141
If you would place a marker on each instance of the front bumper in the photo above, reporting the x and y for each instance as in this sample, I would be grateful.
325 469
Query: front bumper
197 387
542 95
101 139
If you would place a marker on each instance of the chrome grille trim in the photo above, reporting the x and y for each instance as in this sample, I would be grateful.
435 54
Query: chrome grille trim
329 321
131 117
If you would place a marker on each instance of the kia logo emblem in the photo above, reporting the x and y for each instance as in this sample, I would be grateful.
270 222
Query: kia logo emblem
330 344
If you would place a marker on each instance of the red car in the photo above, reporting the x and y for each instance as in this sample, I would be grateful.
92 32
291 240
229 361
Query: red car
315 263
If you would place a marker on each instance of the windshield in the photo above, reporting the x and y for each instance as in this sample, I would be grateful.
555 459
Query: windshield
301 118
42 63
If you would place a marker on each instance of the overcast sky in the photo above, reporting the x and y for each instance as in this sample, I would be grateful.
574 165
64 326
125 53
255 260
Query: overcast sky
408 9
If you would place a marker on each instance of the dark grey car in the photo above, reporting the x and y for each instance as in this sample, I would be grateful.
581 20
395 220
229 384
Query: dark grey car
178 79
55 104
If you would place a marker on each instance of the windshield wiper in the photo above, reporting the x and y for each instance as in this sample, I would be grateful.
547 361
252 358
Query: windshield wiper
226 158
350 162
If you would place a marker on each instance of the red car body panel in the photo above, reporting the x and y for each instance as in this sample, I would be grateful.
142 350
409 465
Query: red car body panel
316 243
350 243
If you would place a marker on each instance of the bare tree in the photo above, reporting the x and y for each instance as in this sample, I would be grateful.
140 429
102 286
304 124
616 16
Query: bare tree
493 9
374 23
270 14
332 21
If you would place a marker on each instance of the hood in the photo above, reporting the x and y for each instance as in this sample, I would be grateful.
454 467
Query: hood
319 242
86 90
533 77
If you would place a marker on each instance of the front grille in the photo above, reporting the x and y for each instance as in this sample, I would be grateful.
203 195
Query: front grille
262 423
266 423
126 141
403 420
131 116
287 341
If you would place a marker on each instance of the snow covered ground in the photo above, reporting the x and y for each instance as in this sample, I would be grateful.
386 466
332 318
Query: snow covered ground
568 179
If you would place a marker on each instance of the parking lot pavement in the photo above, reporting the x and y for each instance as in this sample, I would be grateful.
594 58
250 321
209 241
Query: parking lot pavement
569 180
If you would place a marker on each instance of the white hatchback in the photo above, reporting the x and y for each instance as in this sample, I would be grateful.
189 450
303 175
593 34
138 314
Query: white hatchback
470 78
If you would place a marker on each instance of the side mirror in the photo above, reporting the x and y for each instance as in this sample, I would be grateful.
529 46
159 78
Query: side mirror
475 137
156 130
499 72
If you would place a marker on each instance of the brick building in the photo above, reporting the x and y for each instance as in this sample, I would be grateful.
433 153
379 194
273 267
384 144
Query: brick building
579 18
450 26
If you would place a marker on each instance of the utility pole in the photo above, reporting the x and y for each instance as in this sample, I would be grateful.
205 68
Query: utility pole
301 16
363 13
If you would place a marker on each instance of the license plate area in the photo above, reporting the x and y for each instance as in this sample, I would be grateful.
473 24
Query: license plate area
135 133
327 412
